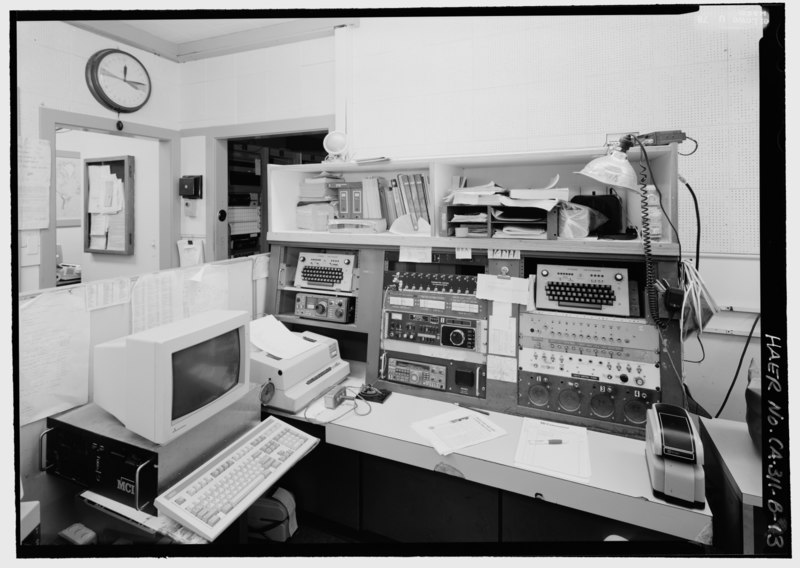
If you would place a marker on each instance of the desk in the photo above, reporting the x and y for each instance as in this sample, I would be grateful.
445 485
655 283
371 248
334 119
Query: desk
728 445
619 487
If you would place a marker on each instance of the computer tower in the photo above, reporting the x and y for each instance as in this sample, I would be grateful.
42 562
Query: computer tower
92 448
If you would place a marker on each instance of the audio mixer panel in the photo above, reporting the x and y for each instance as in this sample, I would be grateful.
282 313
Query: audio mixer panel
605 370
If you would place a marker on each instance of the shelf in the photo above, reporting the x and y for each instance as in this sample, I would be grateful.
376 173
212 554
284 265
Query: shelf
392 241
318 291
291 318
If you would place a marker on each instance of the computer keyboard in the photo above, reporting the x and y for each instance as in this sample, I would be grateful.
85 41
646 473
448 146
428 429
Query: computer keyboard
210 498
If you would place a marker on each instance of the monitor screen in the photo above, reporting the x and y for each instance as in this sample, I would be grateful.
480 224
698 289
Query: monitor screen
204 372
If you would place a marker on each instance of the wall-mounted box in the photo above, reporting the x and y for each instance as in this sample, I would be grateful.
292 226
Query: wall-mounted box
108 205
191 187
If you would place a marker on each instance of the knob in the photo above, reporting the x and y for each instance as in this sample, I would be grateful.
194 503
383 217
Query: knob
545 273
639 381
457 337
320 308
623 377
302 259
339 312
618 277
346 261
222 215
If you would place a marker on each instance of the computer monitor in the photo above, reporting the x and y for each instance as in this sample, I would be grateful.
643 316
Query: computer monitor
164 381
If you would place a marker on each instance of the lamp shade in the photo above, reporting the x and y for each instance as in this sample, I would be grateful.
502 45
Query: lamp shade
612 169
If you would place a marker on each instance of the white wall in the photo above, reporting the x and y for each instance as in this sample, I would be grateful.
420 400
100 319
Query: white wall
287 81
50 63
92 145
433 86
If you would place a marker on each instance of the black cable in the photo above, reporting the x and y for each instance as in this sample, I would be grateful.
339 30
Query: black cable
702 349
696 145
697 215
739 366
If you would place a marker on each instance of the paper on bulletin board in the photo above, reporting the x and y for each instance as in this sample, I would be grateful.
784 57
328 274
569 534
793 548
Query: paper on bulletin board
33 183
204 289
116 231
53 354
503 336
503 288
29 248
191 252
156 300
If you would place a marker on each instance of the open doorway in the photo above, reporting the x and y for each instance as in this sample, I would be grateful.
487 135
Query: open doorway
247 184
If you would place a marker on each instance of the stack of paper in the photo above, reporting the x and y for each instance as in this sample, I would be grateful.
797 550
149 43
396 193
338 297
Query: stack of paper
457 429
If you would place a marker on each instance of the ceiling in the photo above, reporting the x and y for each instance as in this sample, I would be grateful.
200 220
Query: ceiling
189 40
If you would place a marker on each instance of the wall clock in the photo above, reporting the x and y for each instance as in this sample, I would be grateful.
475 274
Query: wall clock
118 80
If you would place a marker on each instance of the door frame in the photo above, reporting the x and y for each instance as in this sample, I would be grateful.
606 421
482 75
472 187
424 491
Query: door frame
217 166
169 225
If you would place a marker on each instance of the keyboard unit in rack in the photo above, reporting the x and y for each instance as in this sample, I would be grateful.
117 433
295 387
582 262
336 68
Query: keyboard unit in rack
325 271
215 494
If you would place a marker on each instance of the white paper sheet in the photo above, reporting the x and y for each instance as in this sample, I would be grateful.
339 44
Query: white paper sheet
116 231
501 368
33 183
503 336
190 252
103 293
156 300
457 429
503 289
98 224
463 253
415 254
554 449
29 248
270 335
260 266
53 354
204 289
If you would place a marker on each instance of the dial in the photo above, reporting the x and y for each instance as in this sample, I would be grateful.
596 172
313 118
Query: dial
118 80
457 337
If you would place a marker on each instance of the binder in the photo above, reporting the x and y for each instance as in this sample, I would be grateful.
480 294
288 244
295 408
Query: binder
356 203
387 203
422 196
407 192
344 203
372 198
398 199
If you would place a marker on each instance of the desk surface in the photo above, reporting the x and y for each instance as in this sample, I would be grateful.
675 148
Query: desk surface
740 458
619 487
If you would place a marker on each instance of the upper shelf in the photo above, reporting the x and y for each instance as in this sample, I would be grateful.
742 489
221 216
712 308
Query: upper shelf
522 169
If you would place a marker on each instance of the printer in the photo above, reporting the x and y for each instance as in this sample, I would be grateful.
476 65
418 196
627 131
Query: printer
289 384
674 456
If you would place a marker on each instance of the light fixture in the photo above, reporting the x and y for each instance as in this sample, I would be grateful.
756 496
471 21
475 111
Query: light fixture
335 144
614 168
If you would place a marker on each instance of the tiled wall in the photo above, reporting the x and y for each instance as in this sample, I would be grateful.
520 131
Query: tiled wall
433 86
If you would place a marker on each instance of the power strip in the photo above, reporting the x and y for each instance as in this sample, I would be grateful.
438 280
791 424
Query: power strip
335 397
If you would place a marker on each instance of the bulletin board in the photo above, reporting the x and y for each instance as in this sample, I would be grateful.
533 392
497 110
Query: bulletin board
108 205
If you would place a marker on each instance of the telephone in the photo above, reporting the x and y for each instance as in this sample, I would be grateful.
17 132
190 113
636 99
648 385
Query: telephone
674 455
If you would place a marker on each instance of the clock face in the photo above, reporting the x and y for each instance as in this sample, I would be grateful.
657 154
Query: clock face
118 80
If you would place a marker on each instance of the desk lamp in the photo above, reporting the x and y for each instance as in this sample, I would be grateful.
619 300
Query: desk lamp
614 168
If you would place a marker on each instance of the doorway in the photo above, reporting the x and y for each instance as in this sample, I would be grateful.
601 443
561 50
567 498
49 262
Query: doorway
245 202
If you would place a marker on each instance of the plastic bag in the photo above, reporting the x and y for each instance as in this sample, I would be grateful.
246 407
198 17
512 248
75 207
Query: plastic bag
578 221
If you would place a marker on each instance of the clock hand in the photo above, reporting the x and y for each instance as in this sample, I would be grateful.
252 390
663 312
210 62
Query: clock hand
135 84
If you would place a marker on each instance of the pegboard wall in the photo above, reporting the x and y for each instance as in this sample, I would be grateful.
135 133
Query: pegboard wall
462 85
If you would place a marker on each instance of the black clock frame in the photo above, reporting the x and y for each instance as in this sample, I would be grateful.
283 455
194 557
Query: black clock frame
92 81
